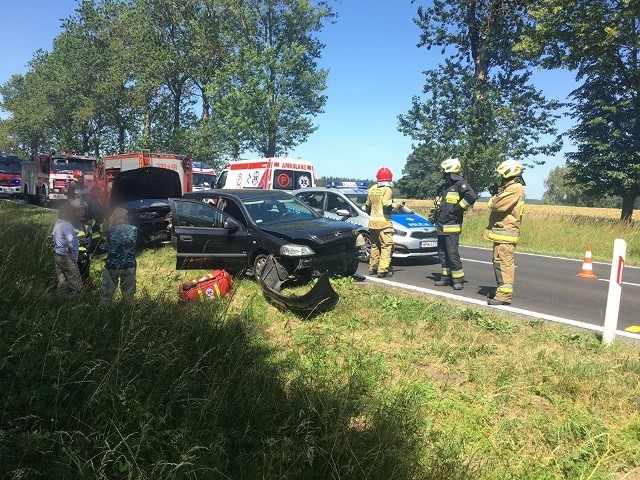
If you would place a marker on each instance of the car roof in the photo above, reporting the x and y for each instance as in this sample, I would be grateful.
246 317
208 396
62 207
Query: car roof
358 191
240 193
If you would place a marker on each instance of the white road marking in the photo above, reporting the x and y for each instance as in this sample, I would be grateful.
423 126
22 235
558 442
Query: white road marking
548 256
476 261
624 283
507 308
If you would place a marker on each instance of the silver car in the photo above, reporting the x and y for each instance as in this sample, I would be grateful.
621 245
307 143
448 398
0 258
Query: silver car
414 235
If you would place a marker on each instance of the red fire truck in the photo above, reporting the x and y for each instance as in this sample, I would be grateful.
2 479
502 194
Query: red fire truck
113 164
48 176
10 175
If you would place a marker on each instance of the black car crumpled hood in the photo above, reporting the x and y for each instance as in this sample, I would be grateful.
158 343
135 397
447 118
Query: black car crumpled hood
145 183
317 230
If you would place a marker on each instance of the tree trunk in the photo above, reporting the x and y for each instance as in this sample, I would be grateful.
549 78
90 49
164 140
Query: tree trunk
177 100
628 199
121 138
205 104
146 136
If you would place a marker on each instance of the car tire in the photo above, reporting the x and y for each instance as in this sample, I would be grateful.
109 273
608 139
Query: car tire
366 255
258 265
352 268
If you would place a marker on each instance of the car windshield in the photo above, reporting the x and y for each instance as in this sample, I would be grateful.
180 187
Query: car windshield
145 203
280 209
358 198
69 165
10 167
199 180
222 179
403 209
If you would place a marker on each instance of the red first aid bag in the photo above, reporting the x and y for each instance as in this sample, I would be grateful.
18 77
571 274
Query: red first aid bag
215 285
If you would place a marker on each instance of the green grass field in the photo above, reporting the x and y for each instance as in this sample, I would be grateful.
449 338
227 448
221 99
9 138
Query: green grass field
387 386
557 230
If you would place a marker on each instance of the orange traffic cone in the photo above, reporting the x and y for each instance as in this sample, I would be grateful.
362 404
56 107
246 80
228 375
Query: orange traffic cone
587 266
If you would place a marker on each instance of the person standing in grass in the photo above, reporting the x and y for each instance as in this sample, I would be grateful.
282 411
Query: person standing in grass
66 249
454 197
507 206
120 265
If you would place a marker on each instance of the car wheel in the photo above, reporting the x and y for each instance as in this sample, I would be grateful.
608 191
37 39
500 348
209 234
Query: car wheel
352 268
258 265
366 251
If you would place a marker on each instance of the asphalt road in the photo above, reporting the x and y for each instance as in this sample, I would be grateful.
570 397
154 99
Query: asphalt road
547 285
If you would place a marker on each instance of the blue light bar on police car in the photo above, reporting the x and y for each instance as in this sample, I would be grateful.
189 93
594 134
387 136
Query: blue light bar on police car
346 184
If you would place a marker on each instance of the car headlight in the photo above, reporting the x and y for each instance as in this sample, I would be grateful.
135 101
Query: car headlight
293 250
400 233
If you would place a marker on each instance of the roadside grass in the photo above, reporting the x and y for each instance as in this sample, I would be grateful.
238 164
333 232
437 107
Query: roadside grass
388 385
556 230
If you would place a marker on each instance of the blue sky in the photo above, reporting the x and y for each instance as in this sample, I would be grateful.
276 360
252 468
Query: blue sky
374 70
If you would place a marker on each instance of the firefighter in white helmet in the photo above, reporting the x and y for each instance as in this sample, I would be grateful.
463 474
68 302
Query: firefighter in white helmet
507 207
454 197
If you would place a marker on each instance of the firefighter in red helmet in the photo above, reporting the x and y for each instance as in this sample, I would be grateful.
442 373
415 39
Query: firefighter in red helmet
380 205
77 184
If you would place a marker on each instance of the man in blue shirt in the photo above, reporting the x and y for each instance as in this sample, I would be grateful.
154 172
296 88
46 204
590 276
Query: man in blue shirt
120 265
65 246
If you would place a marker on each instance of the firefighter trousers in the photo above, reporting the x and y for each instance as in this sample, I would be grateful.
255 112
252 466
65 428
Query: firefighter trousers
381 249
505 270
450 258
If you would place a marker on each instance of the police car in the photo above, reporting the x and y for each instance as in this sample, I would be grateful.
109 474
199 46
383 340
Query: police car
414 235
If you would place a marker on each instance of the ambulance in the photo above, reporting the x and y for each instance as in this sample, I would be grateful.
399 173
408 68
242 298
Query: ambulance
268 173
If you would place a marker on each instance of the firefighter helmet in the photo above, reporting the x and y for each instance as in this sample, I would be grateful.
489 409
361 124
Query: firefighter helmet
451 165
77 174
509 168
384 175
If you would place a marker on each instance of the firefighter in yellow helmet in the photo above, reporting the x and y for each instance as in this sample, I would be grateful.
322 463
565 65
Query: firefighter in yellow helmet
507 206
380 205
454 197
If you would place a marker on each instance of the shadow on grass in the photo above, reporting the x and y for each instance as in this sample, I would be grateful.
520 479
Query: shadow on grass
157 390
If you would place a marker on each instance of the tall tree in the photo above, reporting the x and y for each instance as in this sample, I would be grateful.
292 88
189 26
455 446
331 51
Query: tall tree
600 40
479 104
278 83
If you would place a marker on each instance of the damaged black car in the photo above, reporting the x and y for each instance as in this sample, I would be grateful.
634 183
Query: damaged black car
144 193
238 229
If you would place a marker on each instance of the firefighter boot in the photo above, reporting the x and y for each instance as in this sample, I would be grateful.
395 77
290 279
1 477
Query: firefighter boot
458 286
495 301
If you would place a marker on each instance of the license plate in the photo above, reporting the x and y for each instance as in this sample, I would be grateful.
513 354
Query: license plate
428 244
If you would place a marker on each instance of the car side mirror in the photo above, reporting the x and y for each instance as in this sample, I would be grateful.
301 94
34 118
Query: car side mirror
343 212
231 225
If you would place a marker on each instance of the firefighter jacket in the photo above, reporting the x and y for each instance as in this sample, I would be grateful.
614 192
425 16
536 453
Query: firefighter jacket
380 204
507 207
73 191
453 198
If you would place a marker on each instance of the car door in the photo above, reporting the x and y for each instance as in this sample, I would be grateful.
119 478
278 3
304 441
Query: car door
205 237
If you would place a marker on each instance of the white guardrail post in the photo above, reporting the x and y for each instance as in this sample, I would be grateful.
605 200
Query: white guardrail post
615 290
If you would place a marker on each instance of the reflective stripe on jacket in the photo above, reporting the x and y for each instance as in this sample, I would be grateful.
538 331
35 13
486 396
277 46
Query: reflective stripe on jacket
455 198
377 199
507 207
